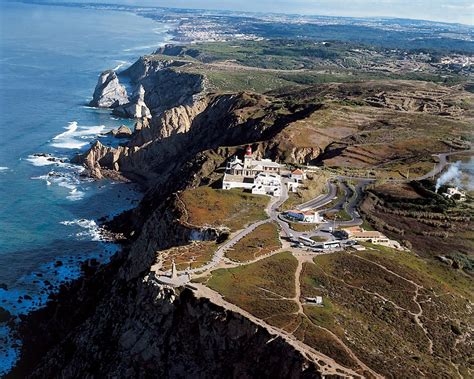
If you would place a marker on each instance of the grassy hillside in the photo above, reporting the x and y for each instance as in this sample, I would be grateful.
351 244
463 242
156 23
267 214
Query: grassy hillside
267 65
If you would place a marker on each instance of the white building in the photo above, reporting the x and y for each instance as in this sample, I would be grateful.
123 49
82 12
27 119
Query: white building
304 216
295 179
315 300
454 192
298 175
250 167
261 177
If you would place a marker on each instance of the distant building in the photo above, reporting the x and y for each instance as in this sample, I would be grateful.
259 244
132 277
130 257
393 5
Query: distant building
455 194
372 236
260 177
304 216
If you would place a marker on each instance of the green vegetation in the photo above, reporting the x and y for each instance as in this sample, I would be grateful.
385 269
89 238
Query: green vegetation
267 65
231 208
340 215
302 227
432 274
263 240
426 222
194 255
370 298
262 288
318 239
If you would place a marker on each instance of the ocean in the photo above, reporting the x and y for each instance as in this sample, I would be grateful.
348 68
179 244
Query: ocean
50 58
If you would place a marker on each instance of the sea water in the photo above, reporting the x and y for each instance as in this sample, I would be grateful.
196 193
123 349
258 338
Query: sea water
50 58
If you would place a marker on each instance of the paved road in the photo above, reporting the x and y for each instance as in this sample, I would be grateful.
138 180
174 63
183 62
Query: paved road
443 161
321 200
349 202
271 211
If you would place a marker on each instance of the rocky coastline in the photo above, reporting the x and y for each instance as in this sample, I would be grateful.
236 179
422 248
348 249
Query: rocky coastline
115 321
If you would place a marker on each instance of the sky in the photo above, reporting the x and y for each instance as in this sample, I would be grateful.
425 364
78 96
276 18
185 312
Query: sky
455 11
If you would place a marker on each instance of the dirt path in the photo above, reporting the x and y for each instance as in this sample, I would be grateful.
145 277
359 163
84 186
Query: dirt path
302 258
297 298
416 316
330 366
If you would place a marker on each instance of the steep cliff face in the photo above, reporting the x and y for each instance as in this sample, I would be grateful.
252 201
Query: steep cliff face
158 332
164 86
173 137
136 108
118 322
109 93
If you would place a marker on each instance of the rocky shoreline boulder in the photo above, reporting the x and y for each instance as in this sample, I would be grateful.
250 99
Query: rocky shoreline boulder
109 93
122 132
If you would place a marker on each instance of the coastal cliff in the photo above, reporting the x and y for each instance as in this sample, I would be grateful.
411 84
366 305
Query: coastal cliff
116 320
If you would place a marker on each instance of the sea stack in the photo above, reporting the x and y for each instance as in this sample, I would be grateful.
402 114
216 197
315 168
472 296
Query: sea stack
136 108
109 93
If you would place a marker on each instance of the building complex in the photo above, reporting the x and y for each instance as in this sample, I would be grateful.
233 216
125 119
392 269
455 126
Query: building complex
260 177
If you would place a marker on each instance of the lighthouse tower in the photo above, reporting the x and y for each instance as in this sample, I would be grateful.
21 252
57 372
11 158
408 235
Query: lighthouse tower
248 158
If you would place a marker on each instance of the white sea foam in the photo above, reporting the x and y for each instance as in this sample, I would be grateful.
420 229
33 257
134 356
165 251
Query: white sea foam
91 229
144 47
119 65
75 195
65 180
76 136
47 160
4 168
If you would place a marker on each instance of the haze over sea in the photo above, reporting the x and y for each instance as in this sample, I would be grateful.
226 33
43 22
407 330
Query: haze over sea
50 58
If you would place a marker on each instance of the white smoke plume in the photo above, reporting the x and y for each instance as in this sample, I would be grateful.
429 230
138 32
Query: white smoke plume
453 175
468 168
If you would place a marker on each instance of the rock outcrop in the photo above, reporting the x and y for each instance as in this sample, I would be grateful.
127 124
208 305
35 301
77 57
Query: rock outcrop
136 108
99 158
164 84
109 93
121 132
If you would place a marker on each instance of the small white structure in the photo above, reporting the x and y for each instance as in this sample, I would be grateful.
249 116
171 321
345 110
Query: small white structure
298 175
304 216
456 193
261 177
173 279
295 179
318 300
292 185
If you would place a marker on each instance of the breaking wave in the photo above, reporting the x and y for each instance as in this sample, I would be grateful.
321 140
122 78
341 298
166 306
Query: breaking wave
68 180
41 159
76 137
91 230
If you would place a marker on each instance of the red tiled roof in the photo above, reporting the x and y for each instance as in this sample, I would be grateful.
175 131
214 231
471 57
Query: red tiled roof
297 172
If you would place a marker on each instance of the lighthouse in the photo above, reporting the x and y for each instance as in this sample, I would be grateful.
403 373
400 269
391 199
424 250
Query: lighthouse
248 151
248 159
